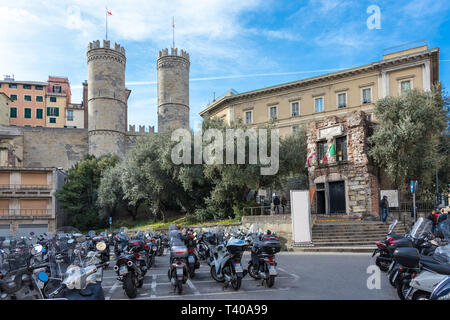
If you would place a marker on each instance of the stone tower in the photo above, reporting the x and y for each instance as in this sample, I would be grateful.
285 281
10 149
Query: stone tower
173 89
107 99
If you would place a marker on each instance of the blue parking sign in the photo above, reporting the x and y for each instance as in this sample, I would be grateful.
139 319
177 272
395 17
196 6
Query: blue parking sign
412 186
110 220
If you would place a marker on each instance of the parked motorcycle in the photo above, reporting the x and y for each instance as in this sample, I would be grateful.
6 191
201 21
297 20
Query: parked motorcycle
442 290
262 264
178 273
131 267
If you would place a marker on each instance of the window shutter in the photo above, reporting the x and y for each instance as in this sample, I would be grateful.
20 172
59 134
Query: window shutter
48 111
57 112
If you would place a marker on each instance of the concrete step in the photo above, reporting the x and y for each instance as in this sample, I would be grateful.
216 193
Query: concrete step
364 249
349 239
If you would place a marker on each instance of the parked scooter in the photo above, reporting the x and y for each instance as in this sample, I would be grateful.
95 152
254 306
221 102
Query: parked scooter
442 290
226 263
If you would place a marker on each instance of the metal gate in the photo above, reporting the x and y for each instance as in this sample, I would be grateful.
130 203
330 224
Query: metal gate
337 197
25 229
5 230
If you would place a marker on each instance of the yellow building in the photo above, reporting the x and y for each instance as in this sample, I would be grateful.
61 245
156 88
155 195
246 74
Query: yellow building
4 109
55 116
289 105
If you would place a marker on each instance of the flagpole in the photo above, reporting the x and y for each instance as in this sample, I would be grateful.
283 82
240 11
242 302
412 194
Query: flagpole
106 15
173 32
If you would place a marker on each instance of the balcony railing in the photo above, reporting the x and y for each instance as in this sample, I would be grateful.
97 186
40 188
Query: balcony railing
25 213
24 186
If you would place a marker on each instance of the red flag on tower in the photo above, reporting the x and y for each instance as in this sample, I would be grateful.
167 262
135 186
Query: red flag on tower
109 12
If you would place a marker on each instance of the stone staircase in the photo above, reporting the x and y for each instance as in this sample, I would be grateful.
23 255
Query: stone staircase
347 235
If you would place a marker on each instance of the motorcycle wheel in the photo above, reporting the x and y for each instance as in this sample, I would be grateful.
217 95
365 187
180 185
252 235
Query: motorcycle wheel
236 283
402 289
192 272
179 286
421 295
391 276
214 274
152 261
129 286
384 266
251 271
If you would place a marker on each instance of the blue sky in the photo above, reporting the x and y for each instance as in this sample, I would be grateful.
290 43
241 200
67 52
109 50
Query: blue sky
244 45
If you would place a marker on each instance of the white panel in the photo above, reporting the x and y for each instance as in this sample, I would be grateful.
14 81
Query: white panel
300 213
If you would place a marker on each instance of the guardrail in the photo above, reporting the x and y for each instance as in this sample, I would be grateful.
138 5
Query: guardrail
25 213
264 210
24 186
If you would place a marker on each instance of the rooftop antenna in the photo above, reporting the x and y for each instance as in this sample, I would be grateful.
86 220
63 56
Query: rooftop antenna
214 99
173 32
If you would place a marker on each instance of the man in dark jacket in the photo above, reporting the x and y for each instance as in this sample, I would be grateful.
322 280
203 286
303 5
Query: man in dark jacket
276 204
384 209
283 203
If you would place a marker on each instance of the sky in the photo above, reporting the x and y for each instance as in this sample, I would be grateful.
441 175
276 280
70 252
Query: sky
243 45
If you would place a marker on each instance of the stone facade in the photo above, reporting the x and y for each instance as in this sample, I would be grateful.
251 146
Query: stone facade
173 89
107 99
355 174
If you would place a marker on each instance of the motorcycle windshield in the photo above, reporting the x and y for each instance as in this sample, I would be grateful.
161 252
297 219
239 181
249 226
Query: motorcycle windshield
443 229
442 254
175 237
392 226
420 227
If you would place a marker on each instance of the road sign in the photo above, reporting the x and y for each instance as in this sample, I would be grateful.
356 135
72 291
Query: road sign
110 220
412 186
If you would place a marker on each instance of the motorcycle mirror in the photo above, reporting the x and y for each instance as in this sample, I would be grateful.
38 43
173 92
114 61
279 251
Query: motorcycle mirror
100 246
37 248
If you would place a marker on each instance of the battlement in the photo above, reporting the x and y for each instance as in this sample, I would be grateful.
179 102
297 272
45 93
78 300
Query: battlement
173 52
132 129
106 45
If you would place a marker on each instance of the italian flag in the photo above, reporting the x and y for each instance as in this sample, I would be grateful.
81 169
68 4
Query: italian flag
330 153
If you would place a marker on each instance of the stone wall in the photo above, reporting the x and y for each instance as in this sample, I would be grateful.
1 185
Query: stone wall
280 224
359 175
54 147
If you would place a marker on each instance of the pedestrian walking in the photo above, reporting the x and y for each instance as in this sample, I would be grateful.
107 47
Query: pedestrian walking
283 203
384 209
276 204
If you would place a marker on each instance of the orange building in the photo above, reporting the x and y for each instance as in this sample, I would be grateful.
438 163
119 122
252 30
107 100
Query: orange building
27 104
37 104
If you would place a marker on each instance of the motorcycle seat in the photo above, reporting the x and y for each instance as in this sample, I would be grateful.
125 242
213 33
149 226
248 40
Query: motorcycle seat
438 267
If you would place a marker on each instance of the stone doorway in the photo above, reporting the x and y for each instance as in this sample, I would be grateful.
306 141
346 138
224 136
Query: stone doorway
336 195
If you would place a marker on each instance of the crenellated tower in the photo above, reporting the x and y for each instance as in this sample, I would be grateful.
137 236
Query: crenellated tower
107 99
173 89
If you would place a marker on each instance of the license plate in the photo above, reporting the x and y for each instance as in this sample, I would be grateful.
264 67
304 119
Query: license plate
180 272
191 259
238 267
123 270
272 270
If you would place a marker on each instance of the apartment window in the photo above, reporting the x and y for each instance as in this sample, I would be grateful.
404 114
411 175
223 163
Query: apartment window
13 86
295 109
13 97
341 148
52 112
366 95
295 129
52 120
69 115
321 150
318 103
39 98
27 86
39 87
27 113
248 117
56 89
52 99
27 98
39 113
342 100
273 113
405 86
13 112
